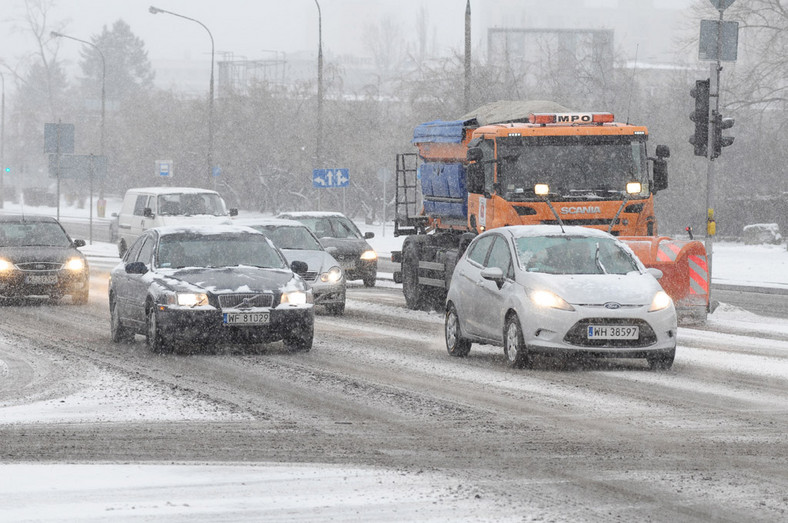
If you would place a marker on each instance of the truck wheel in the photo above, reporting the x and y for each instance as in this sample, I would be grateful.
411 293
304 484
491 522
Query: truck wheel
415 294
455 343
514 344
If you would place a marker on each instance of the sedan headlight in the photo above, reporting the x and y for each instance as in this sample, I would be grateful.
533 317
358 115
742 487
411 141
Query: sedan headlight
6 266
296 298
661 301
191 299
333 275
548 299
369 255
75 265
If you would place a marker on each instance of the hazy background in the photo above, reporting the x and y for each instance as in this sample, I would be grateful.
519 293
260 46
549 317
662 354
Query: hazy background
388 65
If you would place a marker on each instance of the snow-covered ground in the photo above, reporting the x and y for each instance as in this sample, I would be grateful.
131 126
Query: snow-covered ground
273 491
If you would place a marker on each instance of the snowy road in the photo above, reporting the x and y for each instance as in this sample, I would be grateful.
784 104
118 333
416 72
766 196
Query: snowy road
707 440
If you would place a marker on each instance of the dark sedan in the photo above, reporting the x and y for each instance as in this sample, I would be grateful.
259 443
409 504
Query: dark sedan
343 241
200 285
38 258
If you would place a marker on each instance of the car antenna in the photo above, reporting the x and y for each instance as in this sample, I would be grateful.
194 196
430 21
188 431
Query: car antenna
543 190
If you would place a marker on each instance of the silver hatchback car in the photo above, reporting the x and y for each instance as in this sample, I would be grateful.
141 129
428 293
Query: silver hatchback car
558 291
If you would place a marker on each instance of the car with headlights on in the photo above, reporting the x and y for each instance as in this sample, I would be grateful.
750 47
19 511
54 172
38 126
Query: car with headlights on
343 241
297 242
563 291
38 258
199 285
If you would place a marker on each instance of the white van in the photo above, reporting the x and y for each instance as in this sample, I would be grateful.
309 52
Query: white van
148 207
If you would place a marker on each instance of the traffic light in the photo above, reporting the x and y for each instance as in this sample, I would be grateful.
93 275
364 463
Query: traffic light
7 170
721 141
701 117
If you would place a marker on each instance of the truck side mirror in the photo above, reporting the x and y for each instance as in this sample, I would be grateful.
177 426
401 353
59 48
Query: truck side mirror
660 175
663 151
474 154
475 178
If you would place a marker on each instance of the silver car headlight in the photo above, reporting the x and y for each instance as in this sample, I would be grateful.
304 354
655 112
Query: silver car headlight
661 301
332 275
191 299
75 265
369 255
550 300
296 297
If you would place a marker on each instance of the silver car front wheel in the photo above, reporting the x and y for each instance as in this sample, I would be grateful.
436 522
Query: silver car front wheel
514 344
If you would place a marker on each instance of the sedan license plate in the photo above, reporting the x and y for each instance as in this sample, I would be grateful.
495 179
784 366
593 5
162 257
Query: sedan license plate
246 318
613 332
41 279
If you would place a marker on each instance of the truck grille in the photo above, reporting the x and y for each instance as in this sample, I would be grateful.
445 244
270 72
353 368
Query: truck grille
232 301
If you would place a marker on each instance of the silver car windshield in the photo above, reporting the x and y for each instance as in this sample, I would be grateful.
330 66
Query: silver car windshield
290 237
177 251
574 255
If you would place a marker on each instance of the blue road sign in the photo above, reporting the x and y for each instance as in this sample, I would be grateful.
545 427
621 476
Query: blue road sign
217 171
326 178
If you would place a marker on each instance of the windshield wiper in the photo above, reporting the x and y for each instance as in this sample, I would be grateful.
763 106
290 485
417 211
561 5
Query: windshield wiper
599 261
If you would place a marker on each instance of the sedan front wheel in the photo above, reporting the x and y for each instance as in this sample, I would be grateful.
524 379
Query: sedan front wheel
455 343
514 344
155 338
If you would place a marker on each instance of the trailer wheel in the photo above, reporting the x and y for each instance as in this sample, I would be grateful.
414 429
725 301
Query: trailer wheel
415 294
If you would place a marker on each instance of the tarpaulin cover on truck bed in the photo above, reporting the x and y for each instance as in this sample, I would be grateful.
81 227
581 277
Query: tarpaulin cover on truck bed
439 131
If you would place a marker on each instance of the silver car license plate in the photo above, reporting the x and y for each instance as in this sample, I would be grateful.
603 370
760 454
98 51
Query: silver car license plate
246 318
41 279
613 332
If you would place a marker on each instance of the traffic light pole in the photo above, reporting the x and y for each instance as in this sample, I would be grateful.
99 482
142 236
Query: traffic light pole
714 110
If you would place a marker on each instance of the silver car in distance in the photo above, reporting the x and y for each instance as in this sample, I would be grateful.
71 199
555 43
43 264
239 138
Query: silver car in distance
558 291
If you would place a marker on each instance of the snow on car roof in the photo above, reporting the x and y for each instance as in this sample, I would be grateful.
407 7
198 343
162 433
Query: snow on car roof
172 190
268 221
310 214
520 231
204 229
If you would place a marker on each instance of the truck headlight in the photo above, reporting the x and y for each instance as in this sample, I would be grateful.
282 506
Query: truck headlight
332 275
661 301
75 265
369 255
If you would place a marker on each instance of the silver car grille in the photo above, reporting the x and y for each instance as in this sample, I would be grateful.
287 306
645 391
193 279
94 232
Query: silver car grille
309 276
236 301
39 266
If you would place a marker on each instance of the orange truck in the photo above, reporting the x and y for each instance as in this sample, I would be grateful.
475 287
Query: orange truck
526 163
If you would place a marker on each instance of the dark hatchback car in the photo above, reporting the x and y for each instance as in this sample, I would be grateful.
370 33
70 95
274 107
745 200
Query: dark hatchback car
208 284
38 258
343 241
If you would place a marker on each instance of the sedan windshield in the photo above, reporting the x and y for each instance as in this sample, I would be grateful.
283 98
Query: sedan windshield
574 255
29 234
331 227
185 250
287 237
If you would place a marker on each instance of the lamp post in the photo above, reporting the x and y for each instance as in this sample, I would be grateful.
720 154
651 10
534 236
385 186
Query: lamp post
319 141
2 143
156 10
55 34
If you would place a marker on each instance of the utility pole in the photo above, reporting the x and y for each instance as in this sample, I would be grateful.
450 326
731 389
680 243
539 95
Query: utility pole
467 99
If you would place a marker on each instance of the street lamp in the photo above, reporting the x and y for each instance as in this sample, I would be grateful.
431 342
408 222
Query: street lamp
318 152
156 10
55 34
2 143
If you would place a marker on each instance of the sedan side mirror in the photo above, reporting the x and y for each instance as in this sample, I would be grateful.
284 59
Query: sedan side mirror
79 243
299 267
656 273
493 274
368 235
233 212
147 212
136 267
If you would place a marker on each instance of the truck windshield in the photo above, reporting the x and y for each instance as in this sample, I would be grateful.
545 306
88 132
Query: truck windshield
575 167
